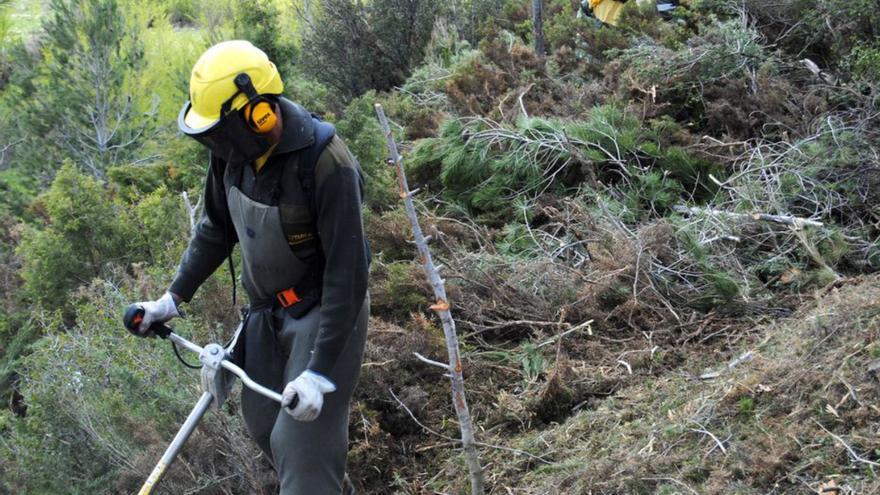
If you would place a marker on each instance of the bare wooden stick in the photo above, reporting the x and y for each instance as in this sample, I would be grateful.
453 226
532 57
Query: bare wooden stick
441 307
702 429
431 362
575 328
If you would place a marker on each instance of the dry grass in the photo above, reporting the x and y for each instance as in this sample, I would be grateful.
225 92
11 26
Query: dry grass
800 413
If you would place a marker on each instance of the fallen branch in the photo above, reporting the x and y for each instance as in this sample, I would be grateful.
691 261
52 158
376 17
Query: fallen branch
796 222
856 457
431 362
743 358
587 324
702 429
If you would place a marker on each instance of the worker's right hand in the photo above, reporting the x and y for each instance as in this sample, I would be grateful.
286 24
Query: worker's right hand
160 310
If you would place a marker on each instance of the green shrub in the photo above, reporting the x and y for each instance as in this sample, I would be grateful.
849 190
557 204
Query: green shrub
312 95
85 231
718 63
164 225
864 62
182 12
51 269
258 21
85 104
361 132
485 166
354 47
101 407
398 289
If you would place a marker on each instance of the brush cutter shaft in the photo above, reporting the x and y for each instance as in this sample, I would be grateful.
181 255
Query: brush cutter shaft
183 434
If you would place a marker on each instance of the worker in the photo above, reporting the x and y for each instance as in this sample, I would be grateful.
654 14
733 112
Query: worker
608 11
284 187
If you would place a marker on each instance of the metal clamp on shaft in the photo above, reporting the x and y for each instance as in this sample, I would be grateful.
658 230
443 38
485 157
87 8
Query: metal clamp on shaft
215 380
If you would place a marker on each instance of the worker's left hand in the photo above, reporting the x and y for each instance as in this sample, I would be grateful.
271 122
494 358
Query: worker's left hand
309 387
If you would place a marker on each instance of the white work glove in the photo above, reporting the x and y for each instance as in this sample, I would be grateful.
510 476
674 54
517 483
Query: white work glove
309 388
160 311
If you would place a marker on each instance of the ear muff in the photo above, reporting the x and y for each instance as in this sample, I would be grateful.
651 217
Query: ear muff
259 112
261 116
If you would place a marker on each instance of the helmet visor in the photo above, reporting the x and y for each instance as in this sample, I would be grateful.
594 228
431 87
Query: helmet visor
229 138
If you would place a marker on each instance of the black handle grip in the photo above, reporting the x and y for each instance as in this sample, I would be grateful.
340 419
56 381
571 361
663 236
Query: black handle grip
133 317
293 402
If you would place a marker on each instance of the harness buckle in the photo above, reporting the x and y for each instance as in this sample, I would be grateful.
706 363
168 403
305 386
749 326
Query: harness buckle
287 298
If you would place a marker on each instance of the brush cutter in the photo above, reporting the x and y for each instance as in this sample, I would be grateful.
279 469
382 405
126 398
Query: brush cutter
217 370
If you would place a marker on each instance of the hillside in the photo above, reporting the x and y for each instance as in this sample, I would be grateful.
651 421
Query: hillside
660 242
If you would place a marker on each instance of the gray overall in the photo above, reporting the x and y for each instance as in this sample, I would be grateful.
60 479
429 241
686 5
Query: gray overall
308 456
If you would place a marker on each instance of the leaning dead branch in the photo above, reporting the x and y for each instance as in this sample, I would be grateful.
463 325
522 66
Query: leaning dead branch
442 308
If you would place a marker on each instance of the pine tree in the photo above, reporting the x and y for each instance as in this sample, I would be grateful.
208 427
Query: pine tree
81 104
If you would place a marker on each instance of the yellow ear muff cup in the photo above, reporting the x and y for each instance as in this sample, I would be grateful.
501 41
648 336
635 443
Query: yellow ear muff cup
261 116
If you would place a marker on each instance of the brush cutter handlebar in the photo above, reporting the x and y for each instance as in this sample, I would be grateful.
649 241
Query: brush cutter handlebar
212 355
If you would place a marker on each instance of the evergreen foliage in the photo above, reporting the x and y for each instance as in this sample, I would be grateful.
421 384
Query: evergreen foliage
258 21
84 231
354 47
82 103
485 166
361 132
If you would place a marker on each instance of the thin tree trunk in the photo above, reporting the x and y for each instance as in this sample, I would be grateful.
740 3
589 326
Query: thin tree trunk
538 27
441 307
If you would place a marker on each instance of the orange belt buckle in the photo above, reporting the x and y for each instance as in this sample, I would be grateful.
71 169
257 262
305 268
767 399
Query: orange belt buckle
287 298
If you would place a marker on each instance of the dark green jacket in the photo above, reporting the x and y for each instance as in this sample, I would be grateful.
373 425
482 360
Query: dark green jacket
341 256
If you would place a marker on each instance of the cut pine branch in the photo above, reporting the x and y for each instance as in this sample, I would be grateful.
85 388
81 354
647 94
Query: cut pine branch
442 308
796 222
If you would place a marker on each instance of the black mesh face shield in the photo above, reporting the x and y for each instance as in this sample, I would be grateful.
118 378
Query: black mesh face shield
230 138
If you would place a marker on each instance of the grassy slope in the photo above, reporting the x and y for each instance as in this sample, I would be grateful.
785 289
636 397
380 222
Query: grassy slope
775 416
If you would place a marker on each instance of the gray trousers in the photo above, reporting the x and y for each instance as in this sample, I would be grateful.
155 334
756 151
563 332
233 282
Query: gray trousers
308 456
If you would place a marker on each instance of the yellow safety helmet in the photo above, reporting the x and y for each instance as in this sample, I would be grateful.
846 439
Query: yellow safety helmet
212 82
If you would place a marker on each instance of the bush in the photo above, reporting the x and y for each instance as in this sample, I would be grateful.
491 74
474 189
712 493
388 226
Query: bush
102 406
485 165
354 47
825 31
864 62
360 130
86 106
85 231
258 21
726 55
398 289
